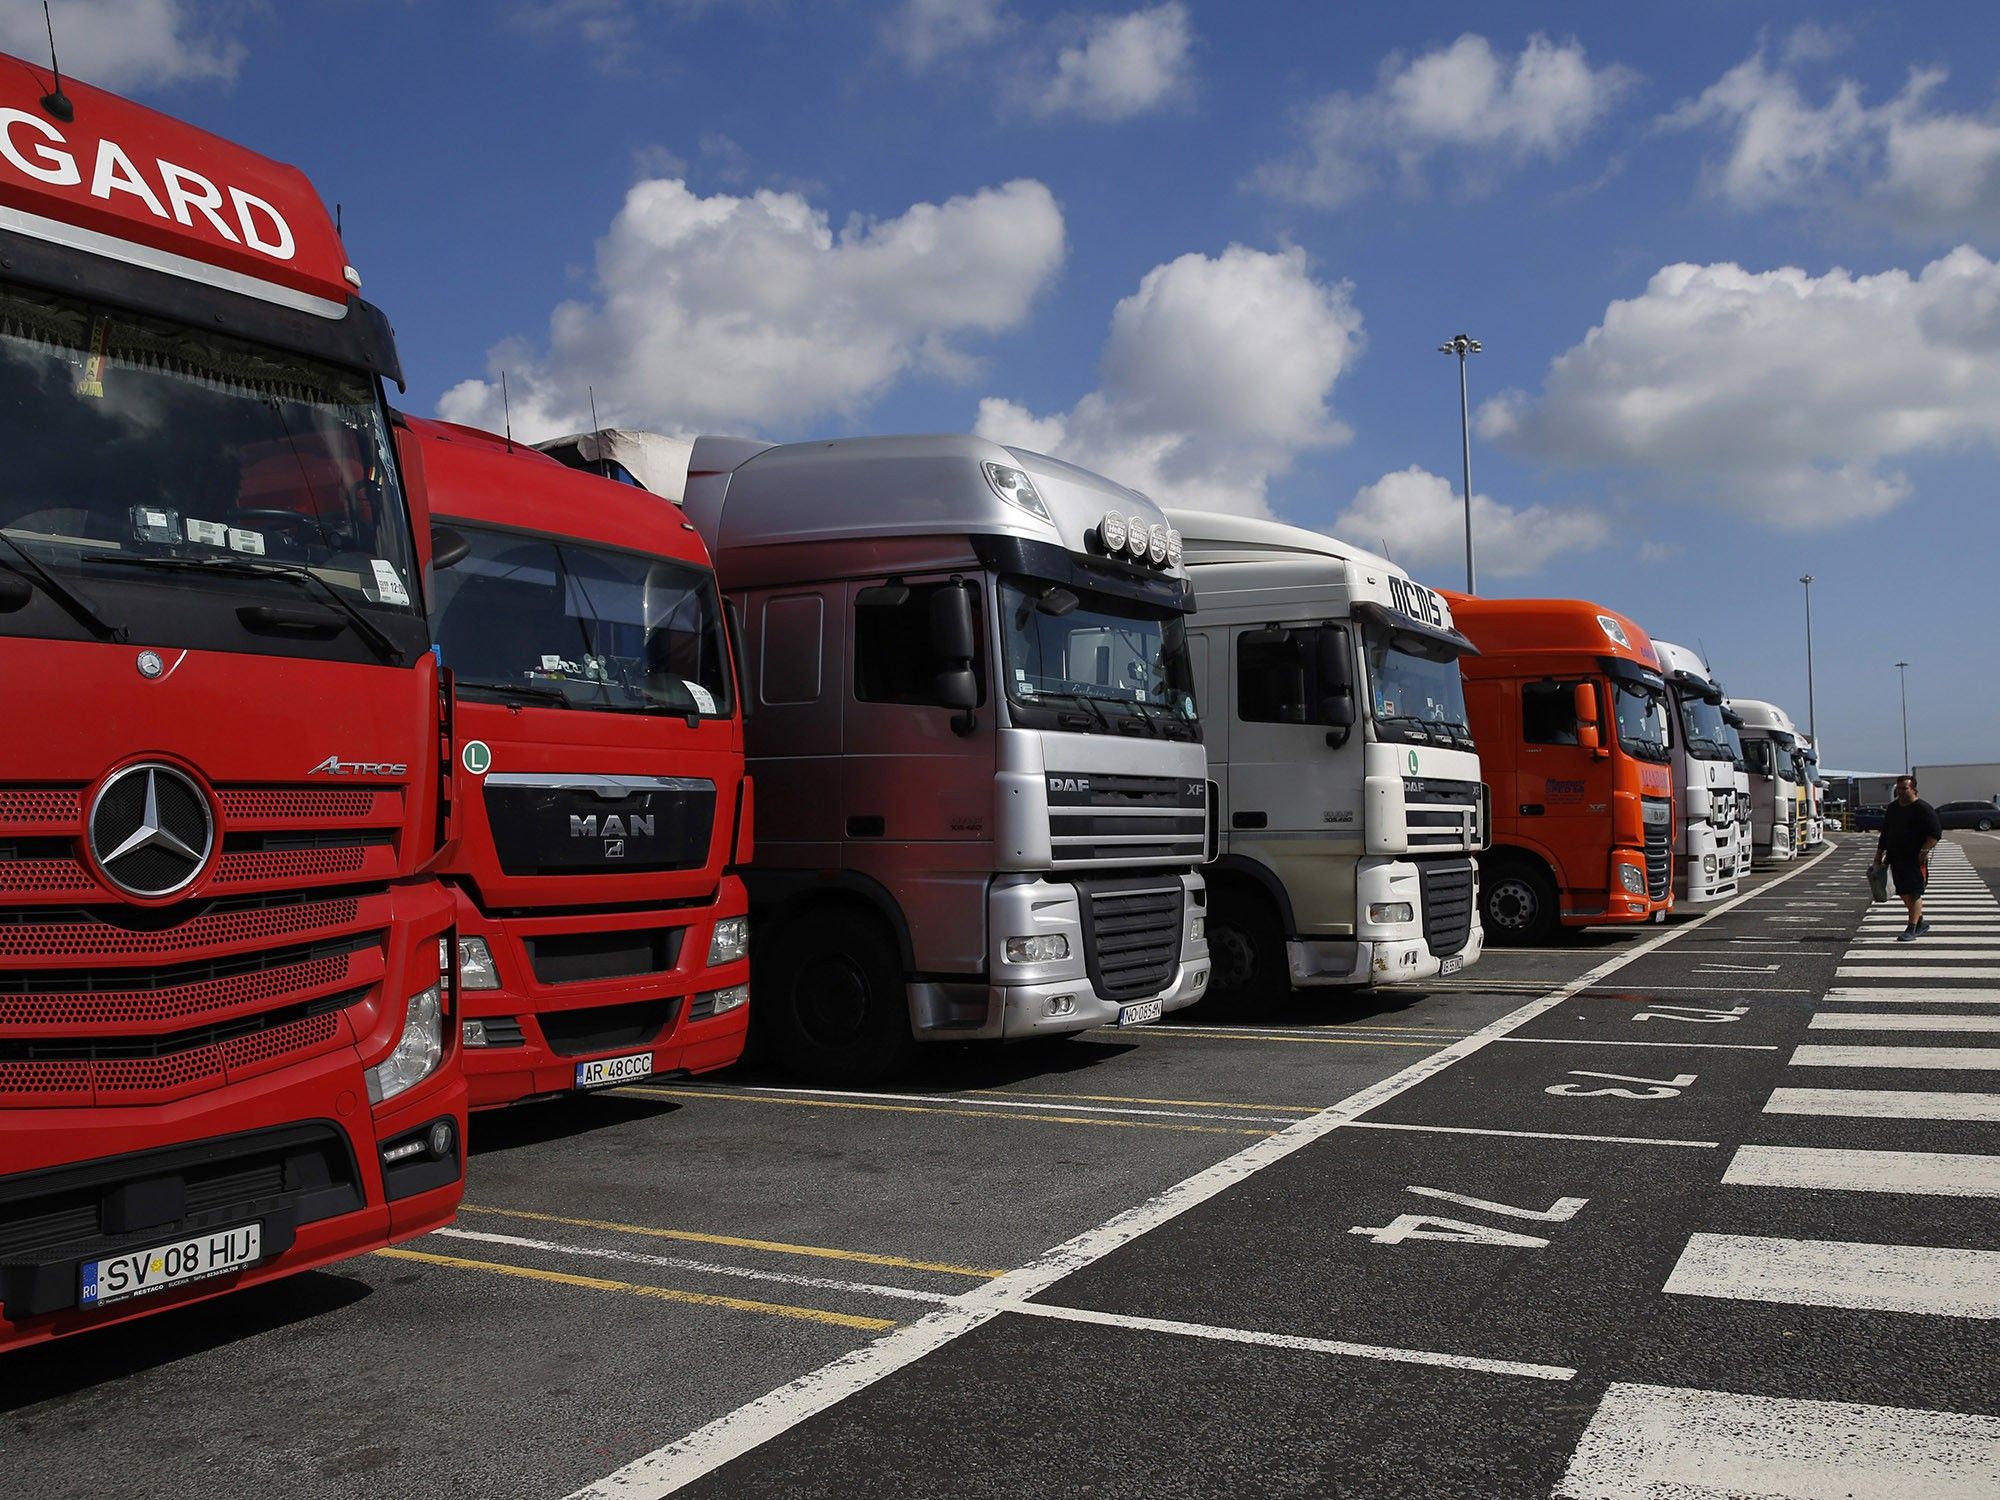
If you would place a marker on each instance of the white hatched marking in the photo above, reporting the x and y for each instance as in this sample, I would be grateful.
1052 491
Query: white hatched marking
1808 1056
1919 971
1650 1440
1885 1105
1936 1173
1933 940
1849 1020
1913 994
1840 1273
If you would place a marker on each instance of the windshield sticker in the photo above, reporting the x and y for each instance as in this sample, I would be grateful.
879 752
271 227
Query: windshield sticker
703 698
151 524
251 542
91 383
388 583
553 663
208 533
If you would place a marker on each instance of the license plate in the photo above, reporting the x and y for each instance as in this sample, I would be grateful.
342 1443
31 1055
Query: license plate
1140 1014
212 1252
1450 965
609 1070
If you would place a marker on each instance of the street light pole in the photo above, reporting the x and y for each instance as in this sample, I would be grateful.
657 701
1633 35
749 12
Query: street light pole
1812 714
1903 687
1462 345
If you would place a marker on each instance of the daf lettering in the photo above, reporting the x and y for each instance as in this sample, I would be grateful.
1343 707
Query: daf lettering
333 765
611 826
1069 783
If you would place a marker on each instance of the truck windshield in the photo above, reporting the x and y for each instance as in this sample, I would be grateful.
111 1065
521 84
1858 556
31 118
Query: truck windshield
139 447
1418 696
1702 728
1641 711
548 620
1100 666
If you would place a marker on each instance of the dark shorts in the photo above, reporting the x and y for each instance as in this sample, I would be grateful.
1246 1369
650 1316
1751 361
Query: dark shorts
1909 875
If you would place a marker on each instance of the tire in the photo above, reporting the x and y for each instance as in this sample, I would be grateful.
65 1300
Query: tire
1985 825
1247 971
1517 904
828 999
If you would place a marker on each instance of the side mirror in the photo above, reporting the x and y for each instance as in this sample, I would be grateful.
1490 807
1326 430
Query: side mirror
951 624
1333 675
1585 699
957 686
1586 736
448 548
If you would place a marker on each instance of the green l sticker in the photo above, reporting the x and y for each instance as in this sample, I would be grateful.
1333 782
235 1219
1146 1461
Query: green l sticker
1413 760
478 759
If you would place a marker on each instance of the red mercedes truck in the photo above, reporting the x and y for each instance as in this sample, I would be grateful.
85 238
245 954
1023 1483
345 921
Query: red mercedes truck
228 1029
1569 708
603 934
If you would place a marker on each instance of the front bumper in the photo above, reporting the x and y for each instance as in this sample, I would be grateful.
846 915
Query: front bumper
1384 953
1708 864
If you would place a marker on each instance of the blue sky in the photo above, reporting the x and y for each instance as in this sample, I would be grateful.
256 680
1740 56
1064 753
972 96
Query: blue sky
1734 267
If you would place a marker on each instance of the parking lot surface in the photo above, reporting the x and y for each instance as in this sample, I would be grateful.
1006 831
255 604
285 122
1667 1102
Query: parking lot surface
1704 1208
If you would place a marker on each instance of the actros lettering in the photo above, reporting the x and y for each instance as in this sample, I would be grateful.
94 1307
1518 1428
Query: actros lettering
173 193
610 826
333 765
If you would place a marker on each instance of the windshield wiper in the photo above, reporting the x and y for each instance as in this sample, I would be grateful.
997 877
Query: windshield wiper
1422 727
1449 732
532 690
74 604
364 627
1090 703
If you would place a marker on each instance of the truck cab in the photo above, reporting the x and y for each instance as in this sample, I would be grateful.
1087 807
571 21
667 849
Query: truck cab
1570 711
1349 802
1770 750
1814 795
981 784
602 804
1704 778
1733 725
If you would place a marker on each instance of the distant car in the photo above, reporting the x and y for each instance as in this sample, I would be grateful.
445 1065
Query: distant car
1869 815
1984 816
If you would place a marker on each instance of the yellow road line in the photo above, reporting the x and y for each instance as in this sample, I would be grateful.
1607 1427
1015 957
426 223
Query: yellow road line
1455 1036
639 1289
1320 1041
935 1109
696 1237
1290 1109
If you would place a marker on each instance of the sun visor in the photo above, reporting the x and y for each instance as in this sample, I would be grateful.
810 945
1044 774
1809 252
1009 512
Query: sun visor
1435 637
1631 671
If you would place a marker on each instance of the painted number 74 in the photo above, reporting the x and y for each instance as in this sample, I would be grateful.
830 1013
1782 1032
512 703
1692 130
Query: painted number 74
1654 1088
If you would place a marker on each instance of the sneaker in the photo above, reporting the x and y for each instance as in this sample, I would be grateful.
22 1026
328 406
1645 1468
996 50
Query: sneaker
1907 935
1923 928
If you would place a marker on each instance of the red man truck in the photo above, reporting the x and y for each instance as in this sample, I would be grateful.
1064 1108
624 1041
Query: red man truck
1569 709
602 807
228 1033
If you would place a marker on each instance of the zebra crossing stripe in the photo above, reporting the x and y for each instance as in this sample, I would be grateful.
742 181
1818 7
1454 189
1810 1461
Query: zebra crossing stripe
1895 995
1976 1058
1849 1020
1934 1173
1917 971
1840 1273
1885 1104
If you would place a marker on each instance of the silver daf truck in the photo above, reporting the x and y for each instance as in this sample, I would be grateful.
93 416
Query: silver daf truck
1351 805
981 791
1712 855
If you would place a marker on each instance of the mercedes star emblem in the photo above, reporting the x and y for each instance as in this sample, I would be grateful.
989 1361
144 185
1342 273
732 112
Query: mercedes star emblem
150 664
151 830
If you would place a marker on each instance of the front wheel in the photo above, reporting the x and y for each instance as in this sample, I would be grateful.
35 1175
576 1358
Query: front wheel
830 1001
1517 905
1985 825
1248 973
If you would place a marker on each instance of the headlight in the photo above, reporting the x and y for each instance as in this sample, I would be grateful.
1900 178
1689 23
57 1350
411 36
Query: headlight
1633 879
1111 532
476 970
1391 911
1017 489
1037 950
730 942
1708 863
1198 930
418 1050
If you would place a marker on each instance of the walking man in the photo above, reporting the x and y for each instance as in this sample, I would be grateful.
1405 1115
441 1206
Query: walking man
1910 830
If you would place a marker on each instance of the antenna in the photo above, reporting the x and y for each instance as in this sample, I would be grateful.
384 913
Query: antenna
56 102
336 220
507 411
593 408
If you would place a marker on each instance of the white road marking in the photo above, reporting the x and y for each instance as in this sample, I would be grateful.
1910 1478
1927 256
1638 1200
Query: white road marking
1528 1135
728 1437
1848 1020
1940 995
705 1267
1292 1341
1900 953
1916 971
1587 1041
1650 1440
1929 940
1935 1173
1885 1105
1977 1058
986 1101
1840 1273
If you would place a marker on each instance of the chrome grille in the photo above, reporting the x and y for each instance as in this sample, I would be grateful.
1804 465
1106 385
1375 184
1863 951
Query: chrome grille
1131 936
1442 816
1447 896
1127 820
1658 816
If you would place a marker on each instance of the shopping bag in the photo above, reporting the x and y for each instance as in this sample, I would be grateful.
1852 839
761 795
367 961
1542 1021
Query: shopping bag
1878 882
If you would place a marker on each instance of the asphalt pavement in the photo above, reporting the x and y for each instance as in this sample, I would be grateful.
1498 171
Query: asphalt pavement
1700 1209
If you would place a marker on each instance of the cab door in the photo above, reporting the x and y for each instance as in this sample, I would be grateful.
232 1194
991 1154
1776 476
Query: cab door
1563 792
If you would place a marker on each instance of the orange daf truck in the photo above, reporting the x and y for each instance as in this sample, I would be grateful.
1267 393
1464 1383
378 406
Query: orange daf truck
1569 708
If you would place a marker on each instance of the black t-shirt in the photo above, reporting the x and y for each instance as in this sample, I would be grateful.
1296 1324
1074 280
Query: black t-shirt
1904 829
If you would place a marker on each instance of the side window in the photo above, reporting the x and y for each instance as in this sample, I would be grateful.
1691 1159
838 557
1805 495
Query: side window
896 656
1276 673
1548 713
789 648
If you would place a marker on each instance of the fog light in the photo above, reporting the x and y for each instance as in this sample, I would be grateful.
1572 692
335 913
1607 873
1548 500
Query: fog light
476 969
719 1002
1391 911
473 1033
1633 879
1200 978
1111 532
441 1139
1156 544
1061 1005
1138 538
402 1152
730 941
1037 950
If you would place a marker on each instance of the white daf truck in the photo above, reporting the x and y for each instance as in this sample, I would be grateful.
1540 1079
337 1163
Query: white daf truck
1745 818
1349 801
982 798
1770 745
1814 795
1704 779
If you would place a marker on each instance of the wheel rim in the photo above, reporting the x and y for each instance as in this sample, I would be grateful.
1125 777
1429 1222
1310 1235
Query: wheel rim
1985 824
1512 904
832 1000
1231 959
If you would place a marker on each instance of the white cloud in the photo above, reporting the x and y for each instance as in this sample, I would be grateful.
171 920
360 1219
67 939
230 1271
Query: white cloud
1782 395
1215 376
754 313
1422 518
1927 170
920 32
125 44
1121 66
1482 109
